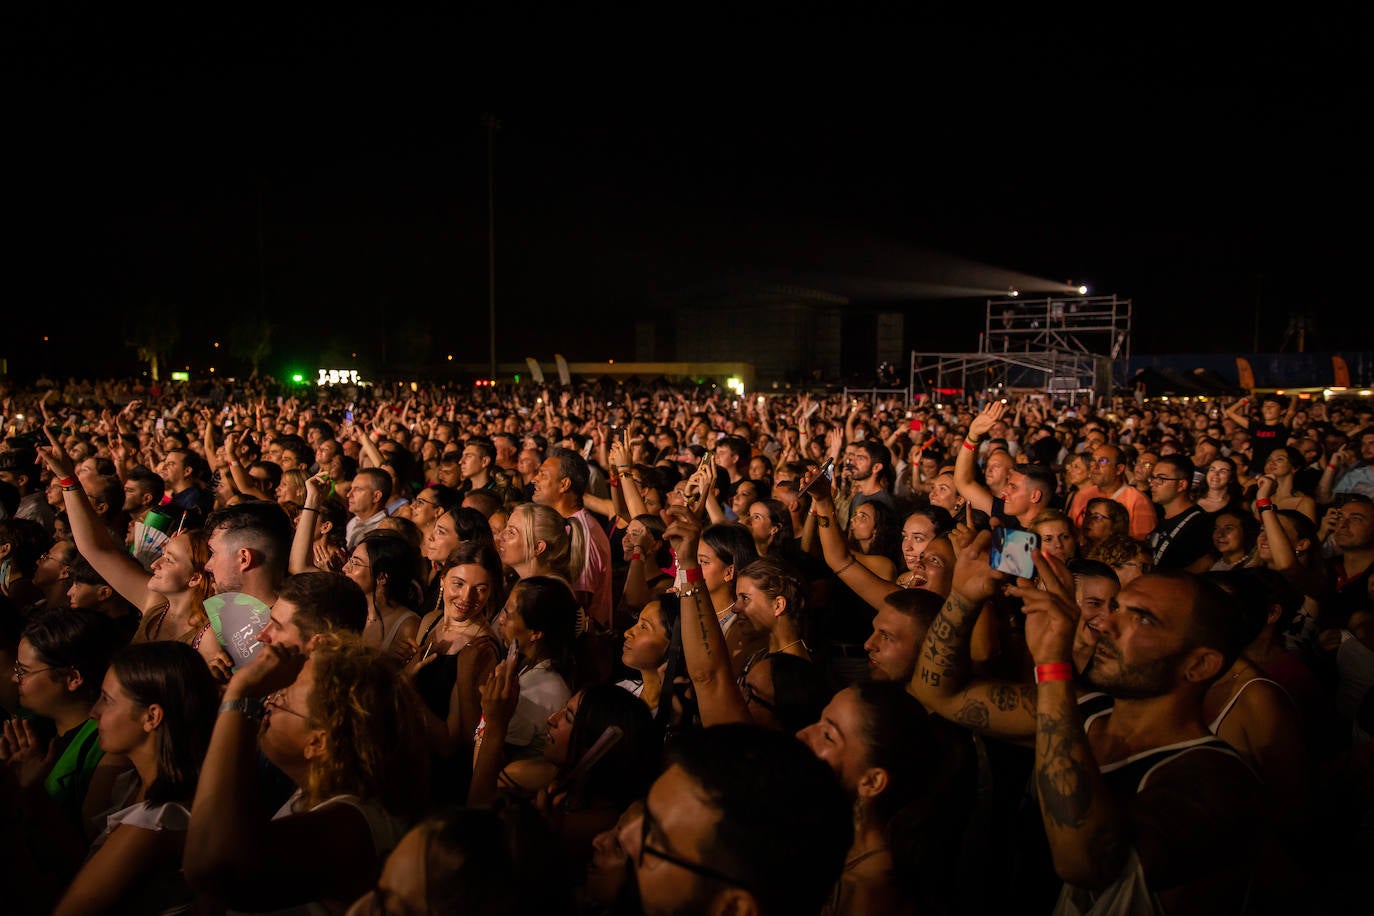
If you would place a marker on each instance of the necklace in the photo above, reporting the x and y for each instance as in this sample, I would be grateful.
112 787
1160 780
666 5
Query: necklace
793 643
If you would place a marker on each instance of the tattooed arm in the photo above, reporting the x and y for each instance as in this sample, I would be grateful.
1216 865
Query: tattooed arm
1084 824
944 683
1086 827
703 641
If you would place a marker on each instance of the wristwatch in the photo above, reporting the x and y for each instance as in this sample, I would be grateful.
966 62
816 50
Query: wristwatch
249 706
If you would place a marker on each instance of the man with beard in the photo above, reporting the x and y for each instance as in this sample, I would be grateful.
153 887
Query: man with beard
1137 798
869 467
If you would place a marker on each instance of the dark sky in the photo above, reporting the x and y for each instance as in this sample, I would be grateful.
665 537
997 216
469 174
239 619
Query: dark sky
334 170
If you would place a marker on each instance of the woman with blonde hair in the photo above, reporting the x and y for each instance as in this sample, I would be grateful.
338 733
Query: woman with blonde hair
537 541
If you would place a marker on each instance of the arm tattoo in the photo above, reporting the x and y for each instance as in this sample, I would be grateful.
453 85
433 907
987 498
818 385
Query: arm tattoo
1062 777
1009 697
945 656
973 715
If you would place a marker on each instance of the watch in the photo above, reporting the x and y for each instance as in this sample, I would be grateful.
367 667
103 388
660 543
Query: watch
249 706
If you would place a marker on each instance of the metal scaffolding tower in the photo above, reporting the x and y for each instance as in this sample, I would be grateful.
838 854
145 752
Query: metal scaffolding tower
1070 345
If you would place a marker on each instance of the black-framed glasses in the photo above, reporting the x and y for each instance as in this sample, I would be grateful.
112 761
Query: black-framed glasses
1156 478
695 868
427 502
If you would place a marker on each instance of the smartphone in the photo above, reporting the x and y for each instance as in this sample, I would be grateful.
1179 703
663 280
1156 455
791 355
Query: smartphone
1011 551
159 423
348 416
514 651
708 461
827 471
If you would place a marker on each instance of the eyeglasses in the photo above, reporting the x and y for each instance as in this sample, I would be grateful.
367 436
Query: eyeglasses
277 701
355 562
1103 462
695 868
1156 478
752 696
427 502
21 672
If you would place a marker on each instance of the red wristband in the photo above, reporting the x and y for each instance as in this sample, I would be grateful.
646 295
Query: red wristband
971 446
66 482
615 481
693 574
1055 671
1263 501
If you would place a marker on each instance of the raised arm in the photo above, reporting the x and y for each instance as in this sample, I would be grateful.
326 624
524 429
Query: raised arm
93 540
1087 829
965 481
944 680
703 642
1237 413
868 585
303 541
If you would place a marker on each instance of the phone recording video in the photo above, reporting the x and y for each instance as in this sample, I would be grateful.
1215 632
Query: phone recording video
1011 552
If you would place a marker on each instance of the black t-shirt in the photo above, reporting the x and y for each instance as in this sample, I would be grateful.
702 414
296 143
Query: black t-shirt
1264 438
1180 541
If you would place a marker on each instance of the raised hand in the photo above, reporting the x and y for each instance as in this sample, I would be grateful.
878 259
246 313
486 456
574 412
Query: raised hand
981 424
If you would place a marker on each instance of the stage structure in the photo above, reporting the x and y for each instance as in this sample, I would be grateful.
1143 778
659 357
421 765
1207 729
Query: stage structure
1067 346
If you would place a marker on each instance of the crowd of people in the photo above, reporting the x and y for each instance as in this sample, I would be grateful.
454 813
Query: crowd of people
636 648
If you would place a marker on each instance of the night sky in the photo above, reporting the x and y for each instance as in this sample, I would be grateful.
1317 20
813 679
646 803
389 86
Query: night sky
332 173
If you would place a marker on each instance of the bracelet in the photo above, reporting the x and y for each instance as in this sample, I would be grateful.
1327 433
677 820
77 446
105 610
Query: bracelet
615 482
1264 502
67 483
636 556
689 592
822 521
309 509
694 574
970 444
1333 466
1055 671
852 560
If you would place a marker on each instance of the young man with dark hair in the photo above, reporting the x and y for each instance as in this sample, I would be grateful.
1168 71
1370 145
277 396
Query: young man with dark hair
476 464
311 603
1183 537
743 820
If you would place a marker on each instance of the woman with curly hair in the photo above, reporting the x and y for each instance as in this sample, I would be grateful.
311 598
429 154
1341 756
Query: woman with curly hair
346 727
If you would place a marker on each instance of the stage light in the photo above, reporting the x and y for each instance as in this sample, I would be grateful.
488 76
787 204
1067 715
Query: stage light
1082 291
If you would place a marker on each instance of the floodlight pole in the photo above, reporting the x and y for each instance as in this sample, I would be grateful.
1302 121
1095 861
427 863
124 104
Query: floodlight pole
491 125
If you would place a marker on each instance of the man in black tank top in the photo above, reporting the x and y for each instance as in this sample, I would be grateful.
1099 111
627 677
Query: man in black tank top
1136 796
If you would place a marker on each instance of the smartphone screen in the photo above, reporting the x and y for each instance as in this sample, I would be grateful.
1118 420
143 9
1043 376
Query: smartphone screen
827 471
1011 552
